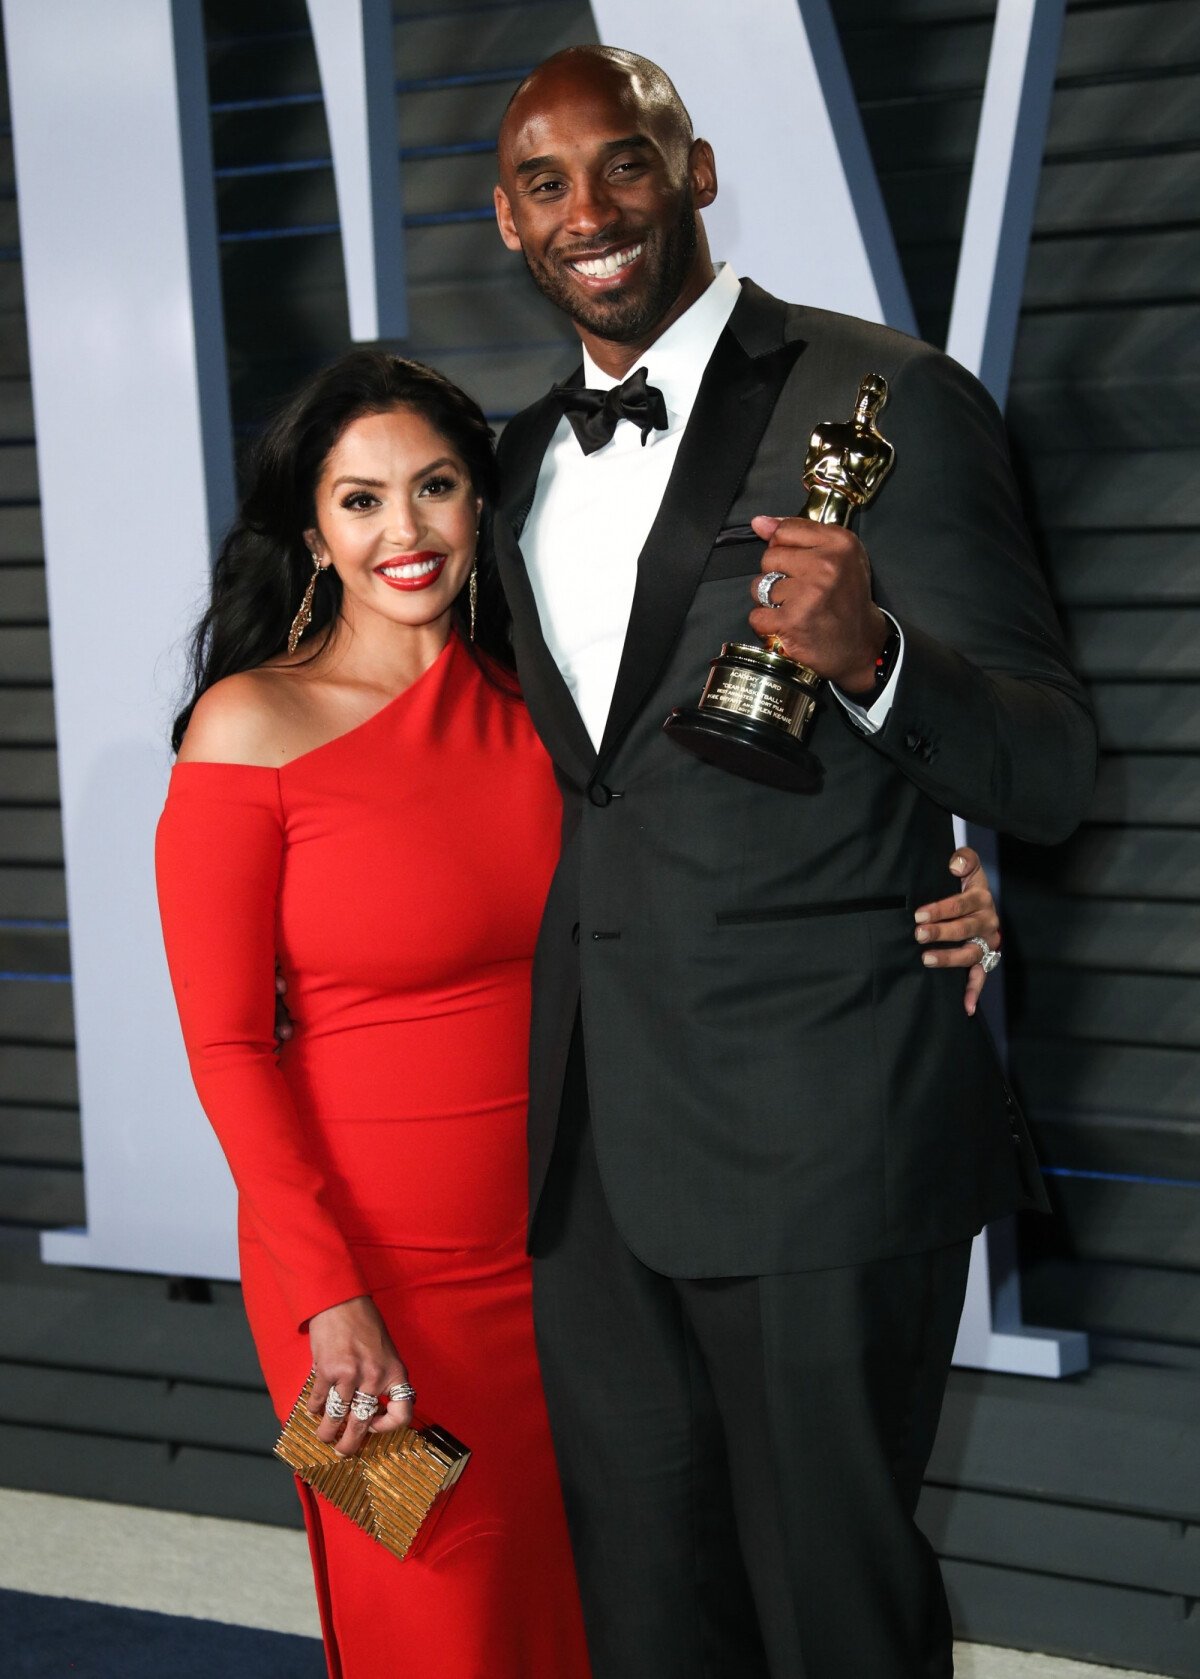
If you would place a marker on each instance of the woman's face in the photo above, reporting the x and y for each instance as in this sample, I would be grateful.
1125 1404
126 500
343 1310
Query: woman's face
396 518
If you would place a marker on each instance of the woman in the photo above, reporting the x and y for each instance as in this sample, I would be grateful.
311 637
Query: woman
368 806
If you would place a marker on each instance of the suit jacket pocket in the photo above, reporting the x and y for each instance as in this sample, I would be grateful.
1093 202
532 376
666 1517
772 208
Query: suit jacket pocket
737 552
804 912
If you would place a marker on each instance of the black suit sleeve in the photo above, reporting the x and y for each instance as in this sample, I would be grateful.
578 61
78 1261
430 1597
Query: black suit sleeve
988 717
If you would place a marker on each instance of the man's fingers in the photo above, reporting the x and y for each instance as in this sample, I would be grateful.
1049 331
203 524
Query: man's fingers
973 915
965 864
945 909
800 533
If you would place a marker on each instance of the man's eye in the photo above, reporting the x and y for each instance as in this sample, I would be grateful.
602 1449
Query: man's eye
541 188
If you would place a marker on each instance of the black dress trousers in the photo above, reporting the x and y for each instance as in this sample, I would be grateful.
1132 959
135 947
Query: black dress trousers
741 1458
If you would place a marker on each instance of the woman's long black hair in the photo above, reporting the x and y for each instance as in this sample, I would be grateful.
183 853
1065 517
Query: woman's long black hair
263 566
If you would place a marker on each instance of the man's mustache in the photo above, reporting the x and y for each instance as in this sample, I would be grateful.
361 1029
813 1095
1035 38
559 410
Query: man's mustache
597 247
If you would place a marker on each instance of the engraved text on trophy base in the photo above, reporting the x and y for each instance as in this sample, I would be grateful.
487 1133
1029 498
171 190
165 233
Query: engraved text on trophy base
744 693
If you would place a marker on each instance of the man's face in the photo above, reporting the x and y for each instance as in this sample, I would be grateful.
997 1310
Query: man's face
600 194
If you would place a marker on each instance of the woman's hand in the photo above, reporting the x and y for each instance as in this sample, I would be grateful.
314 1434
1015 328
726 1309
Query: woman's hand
353 1352
970 915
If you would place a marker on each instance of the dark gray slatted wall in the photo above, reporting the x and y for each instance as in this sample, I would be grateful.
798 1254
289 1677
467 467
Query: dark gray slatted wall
1106 405
1067 1514
1093 1483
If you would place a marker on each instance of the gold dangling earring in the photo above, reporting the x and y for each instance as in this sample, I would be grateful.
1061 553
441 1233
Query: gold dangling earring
303 617
473 594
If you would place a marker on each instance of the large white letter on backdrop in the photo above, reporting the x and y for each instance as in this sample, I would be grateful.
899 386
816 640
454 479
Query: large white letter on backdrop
127 352
800 210
132 424
353 39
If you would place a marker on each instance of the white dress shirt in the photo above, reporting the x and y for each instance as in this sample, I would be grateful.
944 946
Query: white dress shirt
591 514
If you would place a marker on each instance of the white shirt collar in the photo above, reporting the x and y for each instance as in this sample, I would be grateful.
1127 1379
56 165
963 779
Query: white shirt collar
676 361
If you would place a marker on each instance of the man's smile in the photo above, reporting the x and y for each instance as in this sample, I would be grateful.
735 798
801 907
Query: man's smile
605 267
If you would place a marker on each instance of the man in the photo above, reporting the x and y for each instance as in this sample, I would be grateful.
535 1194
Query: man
762 1135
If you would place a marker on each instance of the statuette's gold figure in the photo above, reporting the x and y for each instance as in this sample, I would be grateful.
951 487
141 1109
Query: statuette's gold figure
847 460
758 705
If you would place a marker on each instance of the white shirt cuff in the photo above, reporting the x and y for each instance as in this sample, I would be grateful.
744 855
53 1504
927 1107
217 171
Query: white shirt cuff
872 718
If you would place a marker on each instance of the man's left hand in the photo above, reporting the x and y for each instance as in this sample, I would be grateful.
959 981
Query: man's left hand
822 610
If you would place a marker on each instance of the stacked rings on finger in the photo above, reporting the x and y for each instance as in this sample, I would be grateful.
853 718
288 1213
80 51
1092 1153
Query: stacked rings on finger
401 1391
988 958
363 1406
765 584
335 1406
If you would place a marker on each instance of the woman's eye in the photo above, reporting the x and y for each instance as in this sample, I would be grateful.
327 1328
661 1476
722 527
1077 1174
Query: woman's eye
438 485
358 500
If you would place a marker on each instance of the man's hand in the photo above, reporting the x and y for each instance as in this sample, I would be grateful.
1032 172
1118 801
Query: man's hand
823 613
971 914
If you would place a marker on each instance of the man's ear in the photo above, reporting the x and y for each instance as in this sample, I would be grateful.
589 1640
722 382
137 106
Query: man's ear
504 220
702 173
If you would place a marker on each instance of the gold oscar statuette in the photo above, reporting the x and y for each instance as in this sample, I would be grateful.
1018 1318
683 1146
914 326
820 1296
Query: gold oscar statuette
758 706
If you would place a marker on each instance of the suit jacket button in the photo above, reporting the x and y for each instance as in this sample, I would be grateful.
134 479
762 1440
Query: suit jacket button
599 794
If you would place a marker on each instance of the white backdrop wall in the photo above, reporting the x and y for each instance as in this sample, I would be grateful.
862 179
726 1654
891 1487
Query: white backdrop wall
111 116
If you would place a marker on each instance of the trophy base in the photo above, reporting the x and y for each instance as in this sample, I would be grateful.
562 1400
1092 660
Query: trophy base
765 754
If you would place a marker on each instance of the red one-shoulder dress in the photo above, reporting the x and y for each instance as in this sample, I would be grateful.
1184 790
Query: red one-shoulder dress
398 873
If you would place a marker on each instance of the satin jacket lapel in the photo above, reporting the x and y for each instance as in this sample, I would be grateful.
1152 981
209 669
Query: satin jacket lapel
550 701
737 396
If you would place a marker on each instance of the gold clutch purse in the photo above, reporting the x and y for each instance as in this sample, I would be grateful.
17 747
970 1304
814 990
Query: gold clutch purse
394 1487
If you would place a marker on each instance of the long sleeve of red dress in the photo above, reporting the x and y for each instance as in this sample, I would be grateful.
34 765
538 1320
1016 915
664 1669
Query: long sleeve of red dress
218 856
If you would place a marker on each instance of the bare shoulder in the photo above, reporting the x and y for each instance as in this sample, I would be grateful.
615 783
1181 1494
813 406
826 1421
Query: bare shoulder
251 718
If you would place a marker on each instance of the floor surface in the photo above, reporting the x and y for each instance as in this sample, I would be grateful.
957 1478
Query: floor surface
244 1576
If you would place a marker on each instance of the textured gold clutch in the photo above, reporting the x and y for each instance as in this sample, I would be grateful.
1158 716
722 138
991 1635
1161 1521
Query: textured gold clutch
394 1487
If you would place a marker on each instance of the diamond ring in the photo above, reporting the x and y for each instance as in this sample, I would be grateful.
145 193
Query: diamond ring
335 1406
363 1406
988 958
765 584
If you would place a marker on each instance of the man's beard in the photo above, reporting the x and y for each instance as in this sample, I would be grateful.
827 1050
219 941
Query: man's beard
625 317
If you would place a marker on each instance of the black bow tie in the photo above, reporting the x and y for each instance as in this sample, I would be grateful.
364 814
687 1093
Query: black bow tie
594 414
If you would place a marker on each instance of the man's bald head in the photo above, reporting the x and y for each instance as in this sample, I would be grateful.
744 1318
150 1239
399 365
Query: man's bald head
601 182
645 85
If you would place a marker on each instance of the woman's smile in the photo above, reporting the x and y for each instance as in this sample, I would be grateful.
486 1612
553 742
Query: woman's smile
412 571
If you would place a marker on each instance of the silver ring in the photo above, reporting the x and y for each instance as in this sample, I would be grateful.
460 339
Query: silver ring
765 584
335 1406
988 958
400 1391
363 1405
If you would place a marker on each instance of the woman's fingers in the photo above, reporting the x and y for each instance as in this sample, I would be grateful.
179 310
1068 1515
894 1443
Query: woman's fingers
363 1402
398 1395
331 1394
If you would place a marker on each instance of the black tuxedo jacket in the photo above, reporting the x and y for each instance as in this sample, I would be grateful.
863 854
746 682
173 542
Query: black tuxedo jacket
776 1081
